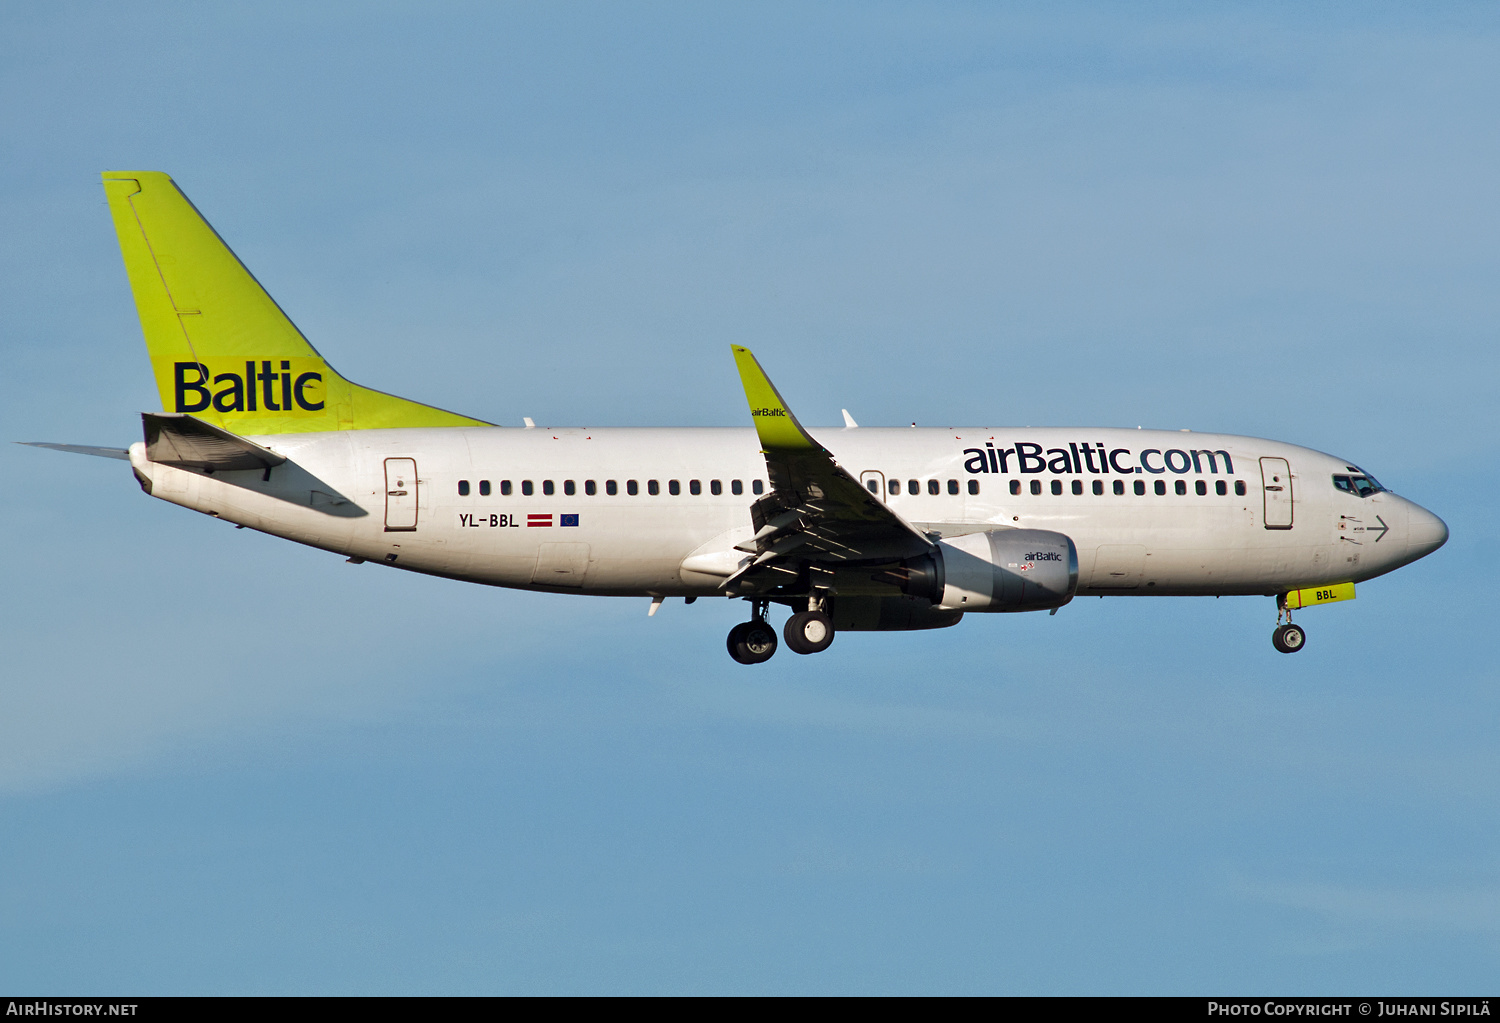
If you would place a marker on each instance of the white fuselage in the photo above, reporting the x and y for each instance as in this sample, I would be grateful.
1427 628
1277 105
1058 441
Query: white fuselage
348 492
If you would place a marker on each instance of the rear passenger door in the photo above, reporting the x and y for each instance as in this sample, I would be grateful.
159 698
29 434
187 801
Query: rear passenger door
874 481
400 495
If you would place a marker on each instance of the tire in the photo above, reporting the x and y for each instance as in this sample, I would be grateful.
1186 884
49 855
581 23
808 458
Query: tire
754 642
736 637
1289 638
809 632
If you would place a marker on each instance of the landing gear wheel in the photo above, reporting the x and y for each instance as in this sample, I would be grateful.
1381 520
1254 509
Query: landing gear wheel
752 642
1289 638
733 642
809 632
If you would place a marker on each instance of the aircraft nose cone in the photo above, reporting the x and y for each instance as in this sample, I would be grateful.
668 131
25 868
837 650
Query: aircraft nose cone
1425 532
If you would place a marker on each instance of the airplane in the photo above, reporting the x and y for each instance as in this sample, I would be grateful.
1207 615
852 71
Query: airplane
853 529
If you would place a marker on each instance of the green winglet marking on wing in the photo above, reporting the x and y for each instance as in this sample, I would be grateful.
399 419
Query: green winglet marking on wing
777 428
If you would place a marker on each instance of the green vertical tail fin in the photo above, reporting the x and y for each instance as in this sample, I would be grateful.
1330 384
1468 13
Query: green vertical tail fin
221 348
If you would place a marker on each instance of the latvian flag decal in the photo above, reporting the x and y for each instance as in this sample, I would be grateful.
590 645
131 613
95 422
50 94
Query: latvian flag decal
539 520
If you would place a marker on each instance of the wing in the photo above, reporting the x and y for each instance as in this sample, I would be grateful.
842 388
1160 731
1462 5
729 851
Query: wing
816 513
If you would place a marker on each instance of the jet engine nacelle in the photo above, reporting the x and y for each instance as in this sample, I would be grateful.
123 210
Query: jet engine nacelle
999 570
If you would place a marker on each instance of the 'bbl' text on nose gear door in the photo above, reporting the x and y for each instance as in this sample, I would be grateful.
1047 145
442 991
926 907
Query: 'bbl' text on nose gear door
400 495
1276 476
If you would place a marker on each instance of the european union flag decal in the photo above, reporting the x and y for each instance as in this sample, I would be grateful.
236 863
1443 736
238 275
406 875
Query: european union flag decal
568 520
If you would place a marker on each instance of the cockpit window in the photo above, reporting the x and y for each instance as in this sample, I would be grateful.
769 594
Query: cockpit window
1360 486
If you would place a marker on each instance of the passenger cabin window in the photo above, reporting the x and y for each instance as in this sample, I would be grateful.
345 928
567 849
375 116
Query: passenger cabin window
463 488
973 486
1140 488
1200 488
736 487
1057 488
484 488
674 488
1161 488
1078 486
569 488
653 488
1239 488
1015 486
894 486
1120 487
1181 487
873 485
695 487
548 488
526 488
611 487
1220 488
632 487
505 488
1098 488
757 487
715 487
1036 487
953 486
590 488
934 487
913 487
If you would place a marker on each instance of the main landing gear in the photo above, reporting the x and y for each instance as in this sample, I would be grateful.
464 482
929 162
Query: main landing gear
1287 638
754 641
806 632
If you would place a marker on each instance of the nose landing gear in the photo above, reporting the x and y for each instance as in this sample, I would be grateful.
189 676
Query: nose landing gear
1287 638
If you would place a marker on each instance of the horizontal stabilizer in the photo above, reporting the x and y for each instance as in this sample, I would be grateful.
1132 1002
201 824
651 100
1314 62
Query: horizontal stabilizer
80 449
173 438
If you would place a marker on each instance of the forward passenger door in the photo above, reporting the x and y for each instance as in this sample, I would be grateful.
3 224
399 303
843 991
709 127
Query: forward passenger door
1276 482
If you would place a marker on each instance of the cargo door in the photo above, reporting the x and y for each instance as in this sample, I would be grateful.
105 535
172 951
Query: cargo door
1118 567
1276 480
400 495
561 564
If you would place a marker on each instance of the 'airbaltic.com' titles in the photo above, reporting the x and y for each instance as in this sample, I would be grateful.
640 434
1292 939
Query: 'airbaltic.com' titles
852 529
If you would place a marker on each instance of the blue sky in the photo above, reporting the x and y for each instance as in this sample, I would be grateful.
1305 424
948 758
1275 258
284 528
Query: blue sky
230 764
